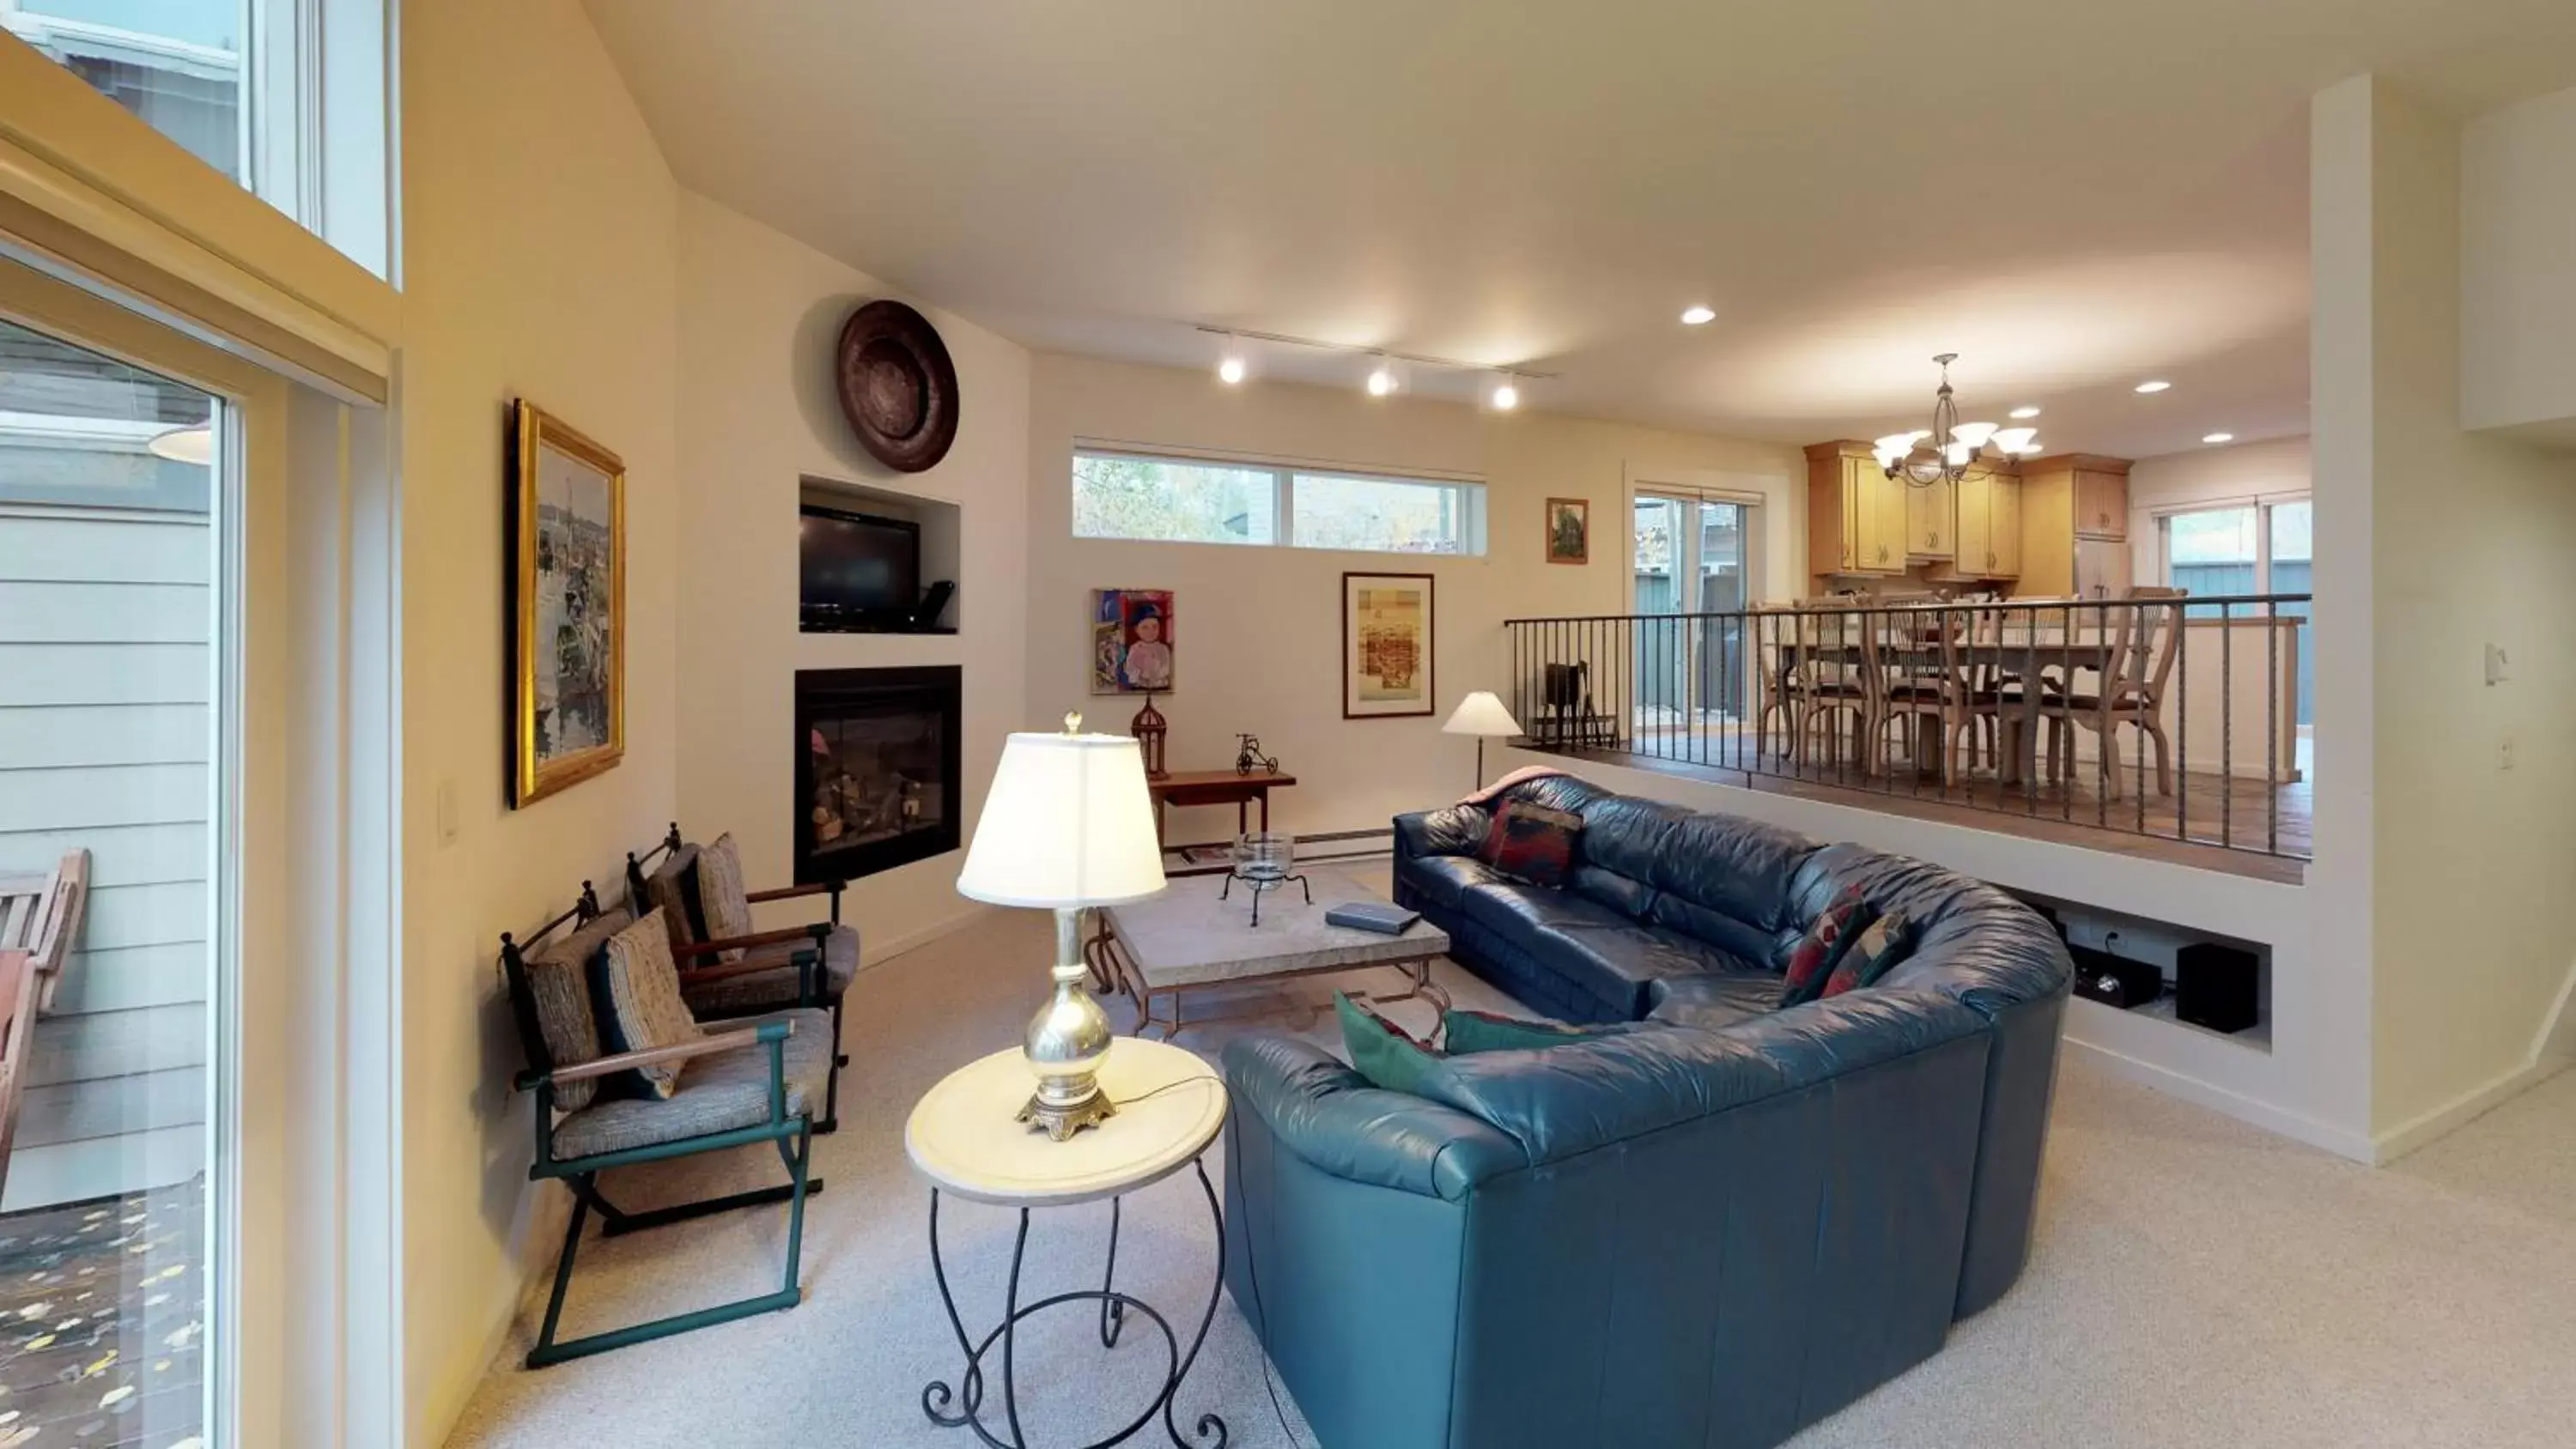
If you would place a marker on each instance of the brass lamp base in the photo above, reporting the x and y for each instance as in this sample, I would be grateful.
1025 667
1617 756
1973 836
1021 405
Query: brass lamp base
1066 1043
1060 1123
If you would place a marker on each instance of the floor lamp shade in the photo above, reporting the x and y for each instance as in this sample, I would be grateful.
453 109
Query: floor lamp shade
1481 714
1068 823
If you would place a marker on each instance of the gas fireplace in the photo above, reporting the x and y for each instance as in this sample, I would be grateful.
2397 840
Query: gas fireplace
876 769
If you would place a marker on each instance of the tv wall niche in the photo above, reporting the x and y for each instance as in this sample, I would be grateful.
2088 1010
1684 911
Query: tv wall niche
940 528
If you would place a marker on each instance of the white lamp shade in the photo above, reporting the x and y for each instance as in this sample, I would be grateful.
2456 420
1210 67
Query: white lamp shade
1067 824
1481 714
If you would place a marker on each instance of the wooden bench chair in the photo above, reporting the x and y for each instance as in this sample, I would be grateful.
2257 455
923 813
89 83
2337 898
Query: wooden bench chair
40 919
744 1083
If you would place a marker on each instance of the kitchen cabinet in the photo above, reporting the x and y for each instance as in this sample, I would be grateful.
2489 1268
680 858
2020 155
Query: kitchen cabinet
1987 538
1856 514
2071 505
1931 520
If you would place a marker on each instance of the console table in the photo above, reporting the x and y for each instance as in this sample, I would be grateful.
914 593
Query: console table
1216 787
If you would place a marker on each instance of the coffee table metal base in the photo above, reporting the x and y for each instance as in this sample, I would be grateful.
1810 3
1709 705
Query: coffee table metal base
1111 970
964 1405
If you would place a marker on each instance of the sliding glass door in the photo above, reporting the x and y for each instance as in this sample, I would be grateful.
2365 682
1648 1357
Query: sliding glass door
1691 562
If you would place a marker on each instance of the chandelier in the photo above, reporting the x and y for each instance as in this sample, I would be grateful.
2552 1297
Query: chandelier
1923 463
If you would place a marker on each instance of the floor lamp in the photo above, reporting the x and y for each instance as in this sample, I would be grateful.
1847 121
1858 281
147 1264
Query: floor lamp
1482 715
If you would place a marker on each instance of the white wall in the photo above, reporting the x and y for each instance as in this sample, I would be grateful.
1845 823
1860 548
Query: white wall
2517 288
2454 539
2208 478
758 317
1258 630
540 262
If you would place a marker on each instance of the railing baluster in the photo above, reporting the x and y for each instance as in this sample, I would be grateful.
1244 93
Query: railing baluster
2226 724
2271 729
2182 725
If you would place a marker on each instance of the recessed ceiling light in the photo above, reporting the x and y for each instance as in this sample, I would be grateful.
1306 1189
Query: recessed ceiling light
2026 410
1698 316
2154 384
2219 438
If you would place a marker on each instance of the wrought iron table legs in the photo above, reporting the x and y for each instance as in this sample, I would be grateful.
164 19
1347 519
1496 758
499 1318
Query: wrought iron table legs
964 1404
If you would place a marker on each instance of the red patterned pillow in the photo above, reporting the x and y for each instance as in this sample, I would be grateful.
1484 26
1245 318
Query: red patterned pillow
1533 843
1873 953
1828 936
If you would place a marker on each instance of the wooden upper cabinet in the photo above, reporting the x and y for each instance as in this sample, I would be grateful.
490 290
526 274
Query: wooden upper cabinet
1856 519
2003 512
1974 547
1931 520
2101 500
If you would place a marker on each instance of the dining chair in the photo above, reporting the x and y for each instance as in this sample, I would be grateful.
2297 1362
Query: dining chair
1837 678
2146 629
1775 690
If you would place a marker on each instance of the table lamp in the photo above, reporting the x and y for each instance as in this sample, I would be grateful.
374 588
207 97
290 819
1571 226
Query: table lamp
1481 715
1066 825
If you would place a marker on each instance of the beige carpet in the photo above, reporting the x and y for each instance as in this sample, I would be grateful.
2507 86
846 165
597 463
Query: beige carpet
2196 1282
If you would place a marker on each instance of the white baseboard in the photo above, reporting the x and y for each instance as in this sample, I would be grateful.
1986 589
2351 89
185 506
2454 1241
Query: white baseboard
877 953
2339 1141
2406 1136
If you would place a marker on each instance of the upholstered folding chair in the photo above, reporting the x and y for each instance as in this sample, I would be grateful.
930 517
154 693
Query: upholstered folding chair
748 1083
726 968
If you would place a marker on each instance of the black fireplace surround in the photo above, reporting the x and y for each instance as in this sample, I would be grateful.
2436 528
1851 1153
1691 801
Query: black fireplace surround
876 769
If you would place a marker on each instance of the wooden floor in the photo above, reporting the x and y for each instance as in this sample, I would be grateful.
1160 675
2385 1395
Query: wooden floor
2239 826
102 1322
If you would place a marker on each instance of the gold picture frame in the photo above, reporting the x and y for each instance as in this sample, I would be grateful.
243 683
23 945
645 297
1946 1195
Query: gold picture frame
567 544
1568 530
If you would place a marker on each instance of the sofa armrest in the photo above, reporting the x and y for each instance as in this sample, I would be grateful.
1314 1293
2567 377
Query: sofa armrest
1332 1118
1455 830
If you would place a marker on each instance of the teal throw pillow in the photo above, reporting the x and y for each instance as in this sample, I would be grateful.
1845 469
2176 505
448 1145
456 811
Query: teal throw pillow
1386 1054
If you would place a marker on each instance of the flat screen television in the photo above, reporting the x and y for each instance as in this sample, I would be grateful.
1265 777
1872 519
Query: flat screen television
856 570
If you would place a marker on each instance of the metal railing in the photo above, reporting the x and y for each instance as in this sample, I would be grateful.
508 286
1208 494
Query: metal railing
2155 714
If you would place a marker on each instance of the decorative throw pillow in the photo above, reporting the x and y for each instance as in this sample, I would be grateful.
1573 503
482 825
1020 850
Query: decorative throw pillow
1874 953
1533 843
1821 949
635 988
722 902
1463 1033
558 976
672 889
1385 1053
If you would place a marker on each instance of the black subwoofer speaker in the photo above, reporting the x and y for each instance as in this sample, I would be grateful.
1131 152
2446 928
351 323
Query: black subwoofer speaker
2217 986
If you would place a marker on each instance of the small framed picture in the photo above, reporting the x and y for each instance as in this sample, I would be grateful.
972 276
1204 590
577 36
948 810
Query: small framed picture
1569 530
567 538
1386 645
1132 641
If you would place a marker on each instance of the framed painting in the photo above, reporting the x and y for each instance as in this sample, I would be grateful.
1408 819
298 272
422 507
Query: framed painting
1569 530
567 541
1131 641
1386 645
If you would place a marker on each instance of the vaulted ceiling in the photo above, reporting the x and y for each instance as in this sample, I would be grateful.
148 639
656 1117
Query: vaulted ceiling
2074 195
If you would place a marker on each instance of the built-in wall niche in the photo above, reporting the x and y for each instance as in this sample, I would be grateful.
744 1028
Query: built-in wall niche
2103 940
844 526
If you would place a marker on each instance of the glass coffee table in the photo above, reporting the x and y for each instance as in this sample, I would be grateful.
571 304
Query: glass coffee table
1190 939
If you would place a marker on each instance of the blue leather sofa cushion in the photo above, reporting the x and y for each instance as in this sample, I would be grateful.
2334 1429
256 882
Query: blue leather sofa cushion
1510 905
1564 1101
1445 878
1627 895
1739 938
1739 868
1619 962
1715 1001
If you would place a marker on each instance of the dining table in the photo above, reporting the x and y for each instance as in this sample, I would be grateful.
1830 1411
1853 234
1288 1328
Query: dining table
2019 656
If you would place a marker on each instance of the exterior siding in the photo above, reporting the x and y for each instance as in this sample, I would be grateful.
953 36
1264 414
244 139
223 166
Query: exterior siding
104 739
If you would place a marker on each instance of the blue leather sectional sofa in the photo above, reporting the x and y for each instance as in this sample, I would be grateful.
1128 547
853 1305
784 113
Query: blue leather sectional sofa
1712 1228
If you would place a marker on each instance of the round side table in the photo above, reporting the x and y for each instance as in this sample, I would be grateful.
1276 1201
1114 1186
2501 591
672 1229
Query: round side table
963 1136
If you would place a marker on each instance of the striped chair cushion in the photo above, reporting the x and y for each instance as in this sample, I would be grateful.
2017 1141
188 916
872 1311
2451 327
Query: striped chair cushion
635 989
559 986
723 904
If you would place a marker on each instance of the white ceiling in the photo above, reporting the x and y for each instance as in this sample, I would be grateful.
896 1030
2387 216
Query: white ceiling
2072 194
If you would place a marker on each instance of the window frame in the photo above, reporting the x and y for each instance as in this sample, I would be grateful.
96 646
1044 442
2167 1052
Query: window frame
2263 504
1469 490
